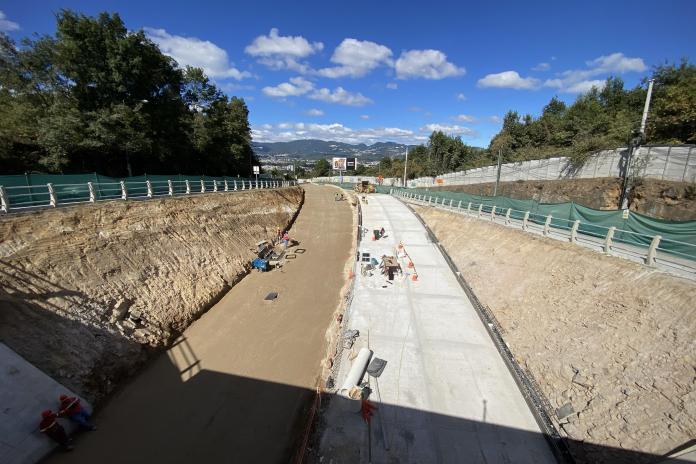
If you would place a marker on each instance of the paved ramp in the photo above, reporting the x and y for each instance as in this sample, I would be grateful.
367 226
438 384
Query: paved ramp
446 394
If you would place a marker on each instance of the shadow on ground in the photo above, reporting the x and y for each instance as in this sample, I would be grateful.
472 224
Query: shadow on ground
185 413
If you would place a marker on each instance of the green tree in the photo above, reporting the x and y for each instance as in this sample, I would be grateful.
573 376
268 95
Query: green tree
673 113
99 97
322 168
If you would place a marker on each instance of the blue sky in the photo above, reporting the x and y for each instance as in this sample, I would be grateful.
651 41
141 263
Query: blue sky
375 71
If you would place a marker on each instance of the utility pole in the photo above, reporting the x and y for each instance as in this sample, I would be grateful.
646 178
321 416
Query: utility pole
646 108
635 144
497 178
405 166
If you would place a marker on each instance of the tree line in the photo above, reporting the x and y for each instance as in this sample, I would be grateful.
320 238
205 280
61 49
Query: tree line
97 97
598 119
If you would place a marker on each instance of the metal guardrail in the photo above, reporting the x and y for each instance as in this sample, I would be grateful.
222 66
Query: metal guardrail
608 240
23 198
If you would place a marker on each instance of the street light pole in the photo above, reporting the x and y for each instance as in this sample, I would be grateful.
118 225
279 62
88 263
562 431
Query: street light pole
497 177
633 146
405 167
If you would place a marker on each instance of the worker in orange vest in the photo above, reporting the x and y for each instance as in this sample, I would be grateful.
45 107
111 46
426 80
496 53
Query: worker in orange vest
71 408
49 425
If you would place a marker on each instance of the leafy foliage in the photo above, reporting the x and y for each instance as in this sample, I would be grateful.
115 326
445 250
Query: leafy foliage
598 119
97 97
604 119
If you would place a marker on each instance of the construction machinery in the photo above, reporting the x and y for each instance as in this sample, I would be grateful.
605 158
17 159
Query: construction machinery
364 187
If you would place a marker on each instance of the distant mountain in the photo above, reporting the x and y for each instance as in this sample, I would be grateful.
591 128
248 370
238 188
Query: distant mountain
315 149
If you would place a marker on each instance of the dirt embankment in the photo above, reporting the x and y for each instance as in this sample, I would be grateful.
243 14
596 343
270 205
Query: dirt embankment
675 201
86 292
613 338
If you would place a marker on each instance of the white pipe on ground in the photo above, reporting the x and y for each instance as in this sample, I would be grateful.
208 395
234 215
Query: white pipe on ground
357 370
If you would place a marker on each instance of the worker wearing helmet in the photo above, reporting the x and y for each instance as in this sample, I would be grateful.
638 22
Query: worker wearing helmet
71 408
50 427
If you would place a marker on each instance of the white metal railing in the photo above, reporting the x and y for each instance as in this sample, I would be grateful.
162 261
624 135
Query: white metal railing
610 240
22 198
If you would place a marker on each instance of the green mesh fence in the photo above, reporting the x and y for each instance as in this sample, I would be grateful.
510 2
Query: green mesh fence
678 237
72 188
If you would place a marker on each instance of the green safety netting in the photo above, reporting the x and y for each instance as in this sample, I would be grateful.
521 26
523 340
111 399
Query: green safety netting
678 237
73 187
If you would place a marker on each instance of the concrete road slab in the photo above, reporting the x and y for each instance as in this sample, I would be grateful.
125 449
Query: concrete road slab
446 394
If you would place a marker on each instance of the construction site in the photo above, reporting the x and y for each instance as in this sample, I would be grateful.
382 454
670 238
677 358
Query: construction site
378 328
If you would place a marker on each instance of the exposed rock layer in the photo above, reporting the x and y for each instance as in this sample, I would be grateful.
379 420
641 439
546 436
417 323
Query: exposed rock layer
85 291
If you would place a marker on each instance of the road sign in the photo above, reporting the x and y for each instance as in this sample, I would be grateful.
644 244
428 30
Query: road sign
256 170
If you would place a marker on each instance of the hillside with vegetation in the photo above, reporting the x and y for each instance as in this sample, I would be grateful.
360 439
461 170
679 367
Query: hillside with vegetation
98 97
599 119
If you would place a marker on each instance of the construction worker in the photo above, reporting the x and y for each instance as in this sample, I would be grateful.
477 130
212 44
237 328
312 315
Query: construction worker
286 240
71 408
49 425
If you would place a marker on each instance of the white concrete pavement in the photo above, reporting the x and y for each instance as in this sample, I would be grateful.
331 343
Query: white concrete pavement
25 391
446 394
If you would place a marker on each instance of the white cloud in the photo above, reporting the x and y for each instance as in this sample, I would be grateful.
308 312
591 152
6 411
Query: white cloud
283 52
542 67
392 86
495 119
365 117
314 112
461 97
464 118
508 79
274 44
617 62
581 80
356 58
296 87
449 129
195 52
6 25
340 96
334 132
427 64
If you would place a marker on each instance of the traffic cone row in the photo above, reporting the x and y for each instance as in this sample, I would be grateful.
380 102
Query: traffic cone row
410 265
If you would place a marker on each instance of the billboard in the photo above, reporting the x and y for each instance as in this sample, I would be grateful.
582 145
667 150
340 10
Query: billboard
344 164
338 164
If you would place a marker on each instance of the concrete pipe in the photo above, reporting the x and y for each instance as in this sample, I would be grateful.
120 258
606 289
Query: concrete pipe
355 375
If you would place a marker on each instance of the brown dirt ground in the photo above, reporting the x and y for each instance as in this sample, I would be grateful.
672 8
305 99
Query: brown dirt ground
232 389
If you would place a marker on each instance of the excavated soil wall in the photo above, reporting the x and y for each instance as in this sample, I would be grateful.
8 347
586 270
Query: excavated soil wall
610 337
87 292
675 201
